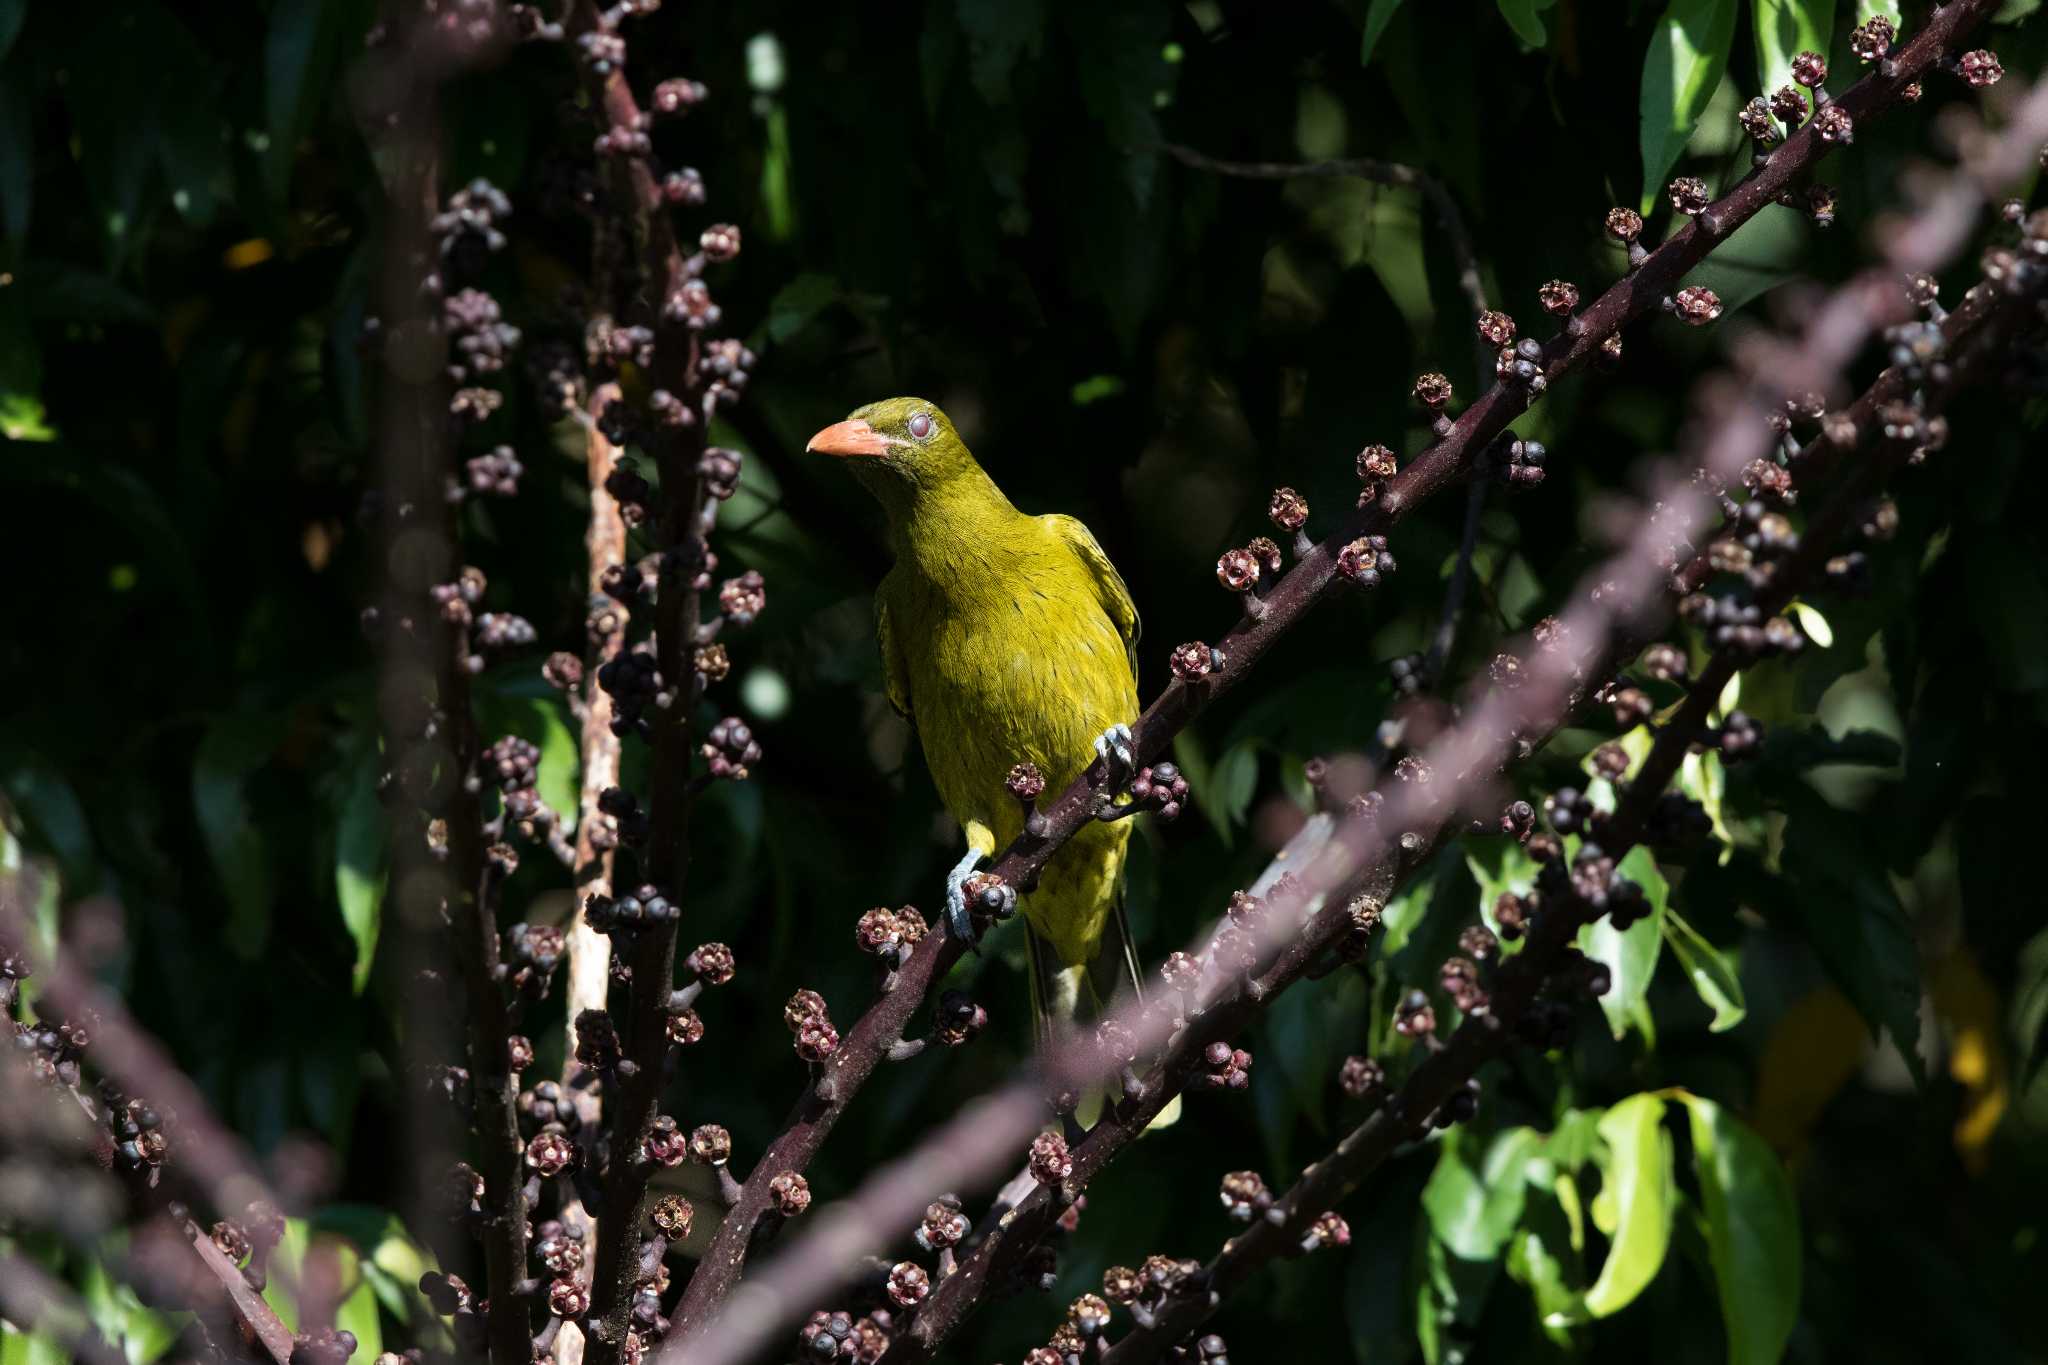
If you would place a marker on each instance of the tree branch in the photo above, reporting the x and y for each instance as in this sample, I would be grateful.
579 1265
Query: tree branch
1454 456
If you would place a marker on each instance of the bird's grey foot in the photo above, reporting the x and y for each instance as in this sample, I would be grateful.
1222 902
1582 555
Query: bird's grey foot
1115 748
958 918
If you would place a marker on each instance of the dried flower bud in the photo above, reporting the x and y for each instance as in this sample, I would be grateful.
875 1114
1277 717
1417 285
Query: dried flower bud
1789 106
1238 570
1288 509
672 1214
1089 1314
1689 195
1361 1077
960 1020
944 1226
712 962
1433 391
1050 1162
1980 68
1192 660
791 1193
1376 462
803 1007
908 1284
1835 125
1756 121
1244 1195
1025 782
710 1145
1559 298
1121 1284
1330 1230
1697 305
1624 225
721 242
1873 38
550 1153
1810 69
1496 328
567 1298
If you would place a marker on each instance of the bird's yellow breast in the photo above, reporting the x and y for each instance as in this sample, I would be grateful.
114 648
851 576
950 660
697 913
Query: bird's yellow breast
1009 657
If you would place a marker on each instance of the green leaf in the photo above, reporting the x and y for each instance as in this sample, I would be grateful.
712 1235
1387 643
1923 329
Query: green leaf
1376 20
359 864
1687 55
1500 866
358 1312
1473 1207
1702 777
1631 954
1784 29
235 746
1852 916
1752 1230
1709 970
1522 18
1757 257
1814 624
1637 1194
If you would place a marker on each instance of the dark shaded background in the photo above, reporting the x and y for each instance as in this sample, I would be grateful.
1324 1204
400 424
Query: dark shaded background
966 201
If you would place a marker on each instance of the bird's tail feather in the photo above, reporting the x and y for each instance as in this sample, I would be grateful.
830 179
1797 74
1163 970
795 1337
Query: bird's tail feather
1062 996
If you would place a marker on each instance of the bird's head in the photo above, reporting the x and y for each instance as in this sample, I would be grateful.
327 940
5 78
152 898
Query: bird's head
900 448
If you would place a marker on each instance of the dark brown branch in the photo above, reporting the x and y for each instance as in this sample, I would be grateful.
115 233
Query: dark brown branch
425 662
631 1099
1455 456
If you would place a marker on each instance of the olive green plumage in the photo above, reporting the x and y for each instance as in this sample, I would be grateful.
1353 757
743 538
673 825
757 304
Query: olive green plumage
1006 638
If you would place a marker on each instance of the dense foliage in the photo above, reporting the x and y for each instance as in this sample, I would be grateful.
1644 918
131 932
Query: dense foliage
1802 1117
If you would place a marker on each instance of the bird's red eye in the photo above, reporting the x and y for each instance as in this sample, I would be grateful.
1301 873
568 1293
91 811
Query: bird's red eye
920 425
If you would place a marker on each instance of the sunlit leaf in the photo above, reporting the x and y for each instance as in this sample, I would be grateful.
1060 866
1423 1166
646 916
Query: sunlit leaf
1638 1192
1473 1203
1752 1228
1500 866
1631 954
1786 28
1687 55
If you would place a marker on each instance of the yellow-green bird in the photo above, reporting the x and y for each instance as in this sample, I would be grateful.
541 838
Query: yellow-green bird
1005 638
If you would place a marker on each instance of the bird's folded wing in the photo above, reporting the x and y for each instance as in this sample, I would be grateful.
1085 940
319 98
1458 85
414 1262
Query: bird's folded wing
895 674
1109 585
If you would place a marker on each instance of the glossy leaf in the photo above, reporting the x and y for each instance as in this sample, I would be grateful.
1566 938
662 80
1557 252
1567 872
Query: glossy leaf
359 866
1783 30
1631 954
1637 1195
1473 1202
1687 55
1376 20
1752 1227
1524 17
1709 970
1499 865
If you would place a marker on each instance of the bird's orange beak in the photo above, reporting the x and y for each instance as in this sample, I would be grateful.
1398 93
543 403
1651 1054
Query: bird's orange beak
851 437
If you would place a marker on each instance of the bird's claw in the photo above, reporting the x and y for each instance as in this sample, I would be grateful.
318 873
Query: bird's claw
1115 747
959 919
